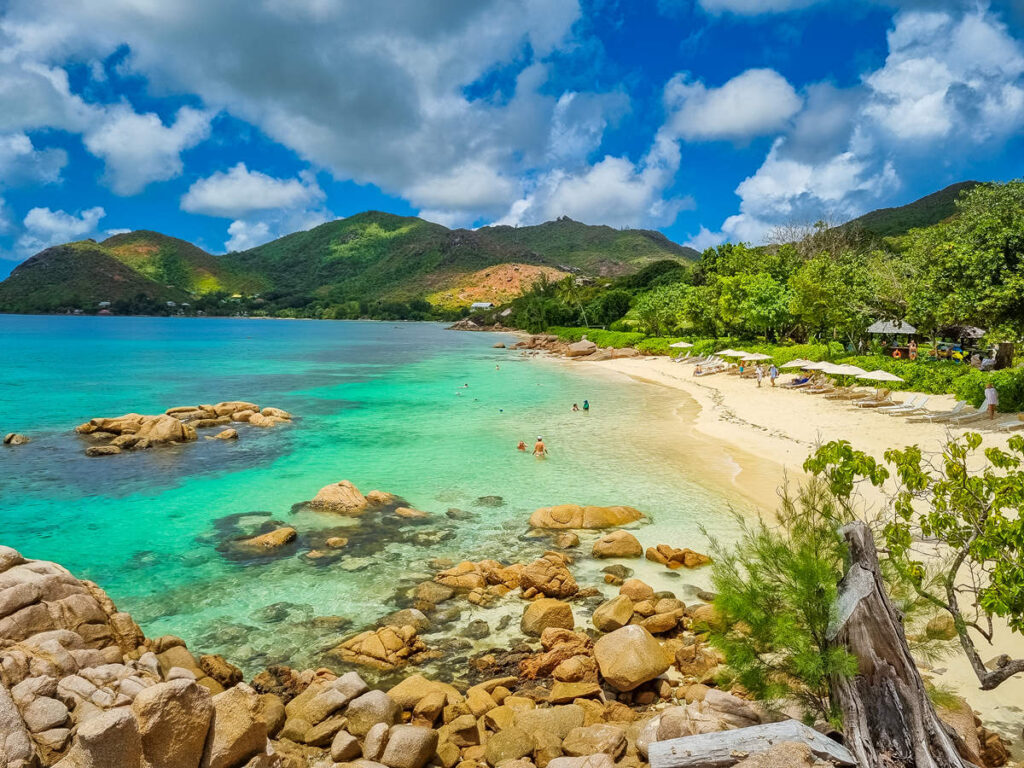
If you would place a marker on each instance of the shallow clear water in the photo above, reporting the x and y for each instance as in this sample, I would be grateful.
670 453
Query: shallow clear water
383 405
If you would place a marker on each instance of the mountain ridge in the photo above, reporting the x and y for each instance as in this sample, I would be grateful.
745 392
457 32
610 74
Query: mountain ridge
354 263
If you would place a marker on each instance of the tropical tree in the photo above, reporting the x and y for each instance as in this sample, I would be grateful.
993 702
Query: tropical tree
973 515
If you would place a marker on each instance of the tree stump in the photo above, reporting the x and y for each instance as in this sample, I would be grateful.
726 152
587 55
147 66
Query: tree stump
888 720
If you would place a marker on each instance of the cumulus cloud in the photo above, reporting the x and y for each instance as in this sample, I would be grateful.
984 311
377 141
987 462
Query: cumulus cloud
44 227
248 233
946 75
238 192
754 103
21 162
139 149
754 7
952 82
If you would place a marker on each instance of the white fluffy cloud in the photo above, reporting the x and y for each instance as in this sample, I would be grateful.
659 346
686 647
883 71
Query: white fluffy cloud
754 103
21 162
239 192
139 149
952 81
248 233
754 7
946 75
44 227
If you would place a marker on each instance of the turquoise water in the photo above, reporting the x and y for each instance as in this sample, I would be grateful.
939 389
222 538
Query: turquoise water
383 405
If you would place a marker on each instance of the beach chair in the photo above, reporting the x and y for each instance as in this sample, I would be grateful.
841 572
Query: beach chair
969 417
909 405
906 411
844 393
1009 424
878 400
959 408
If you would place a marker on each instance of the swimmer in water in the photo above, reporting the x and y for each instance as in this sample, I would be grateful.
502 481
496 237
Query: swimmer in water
539 449
521 446
575 407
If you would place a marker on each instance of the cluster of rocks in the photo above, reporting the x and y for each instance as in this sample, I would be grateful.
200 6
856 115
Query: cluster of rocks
135 431
344 498
80 685
584 349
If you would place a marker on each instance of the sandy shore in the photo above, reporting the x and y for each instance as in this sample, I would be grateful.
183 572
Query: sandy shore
767 433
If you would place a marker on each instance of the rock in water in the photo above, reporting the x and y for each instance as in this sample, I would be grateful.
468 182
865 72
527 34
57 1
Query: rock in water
546 612
342 497
630 656
577 516
271 540
14 438
618 544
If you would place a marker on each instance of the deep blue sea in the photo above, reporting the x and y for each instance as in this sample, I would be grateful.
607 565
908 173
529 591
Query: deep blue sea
385 405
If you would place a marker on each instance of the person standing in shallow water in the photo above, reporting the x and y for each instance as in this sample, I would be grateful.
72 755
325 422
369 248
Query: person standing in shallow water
586 406
575 407
539 449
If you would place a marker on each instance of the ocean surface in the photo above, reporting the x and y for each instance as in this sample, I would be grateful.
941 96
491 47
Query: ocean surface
411 408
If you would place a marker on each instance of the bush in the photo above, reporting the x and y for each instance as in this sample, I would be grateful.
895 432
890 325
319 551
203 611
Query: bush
1009 384
599 337
776 591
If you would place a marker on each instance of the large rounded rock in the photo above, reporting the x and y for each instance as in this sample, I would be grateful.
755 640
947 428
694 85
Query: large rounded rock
369 709
548 576
238 730
613 614
14 438
508 744
629 657
577 516
409 746
173 719
342 498
618 544
546 612
110 738
165 429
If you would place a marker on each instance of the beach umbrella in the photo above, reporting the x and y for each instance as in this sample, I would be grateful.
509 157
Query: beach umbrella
726 352
818 366
681 345
879 375
756 356
848 370
798 363
734 353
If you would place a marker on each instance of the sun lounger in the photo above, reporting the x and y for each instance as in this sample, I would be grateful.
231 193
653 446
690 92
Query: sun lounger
878 400
912 404
938 417
921 407
681 357
843 393
967 418
1009 425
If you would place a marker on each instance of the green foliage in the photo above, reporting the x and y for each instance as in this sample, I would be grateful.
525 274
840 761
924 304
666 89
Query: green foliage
970 508
1009 383
609 307
599 337
776 591
926 212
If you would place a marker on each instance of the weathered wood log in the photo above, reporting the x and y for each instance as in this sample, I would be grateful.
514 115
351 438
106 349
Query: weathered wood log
888 720
725 748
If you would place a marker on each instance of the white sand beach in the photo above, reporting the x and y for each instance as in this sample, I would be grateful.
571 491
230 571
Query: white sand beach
767 433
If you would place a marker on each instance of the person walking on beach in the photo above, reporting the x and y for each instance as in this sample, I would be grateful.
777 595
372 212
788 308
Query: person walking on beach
991 399
760 375
539 449
773 373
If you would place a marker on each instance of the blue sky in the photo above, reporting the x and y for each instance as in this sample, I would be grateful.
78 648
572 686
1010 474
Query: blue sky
230 123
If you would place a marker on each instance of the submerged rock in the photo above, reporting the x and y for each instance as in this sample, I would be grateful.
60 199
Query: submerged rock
341 497
618 544
577 516
15 438
271 540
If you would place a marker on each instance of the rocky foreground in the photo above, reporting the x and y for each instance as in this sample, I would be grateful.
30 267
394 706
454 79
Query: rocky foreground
81 687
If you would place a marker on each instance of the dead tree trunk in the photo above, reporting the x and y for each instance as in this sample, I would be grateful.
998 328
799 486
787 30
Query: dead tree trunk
888 720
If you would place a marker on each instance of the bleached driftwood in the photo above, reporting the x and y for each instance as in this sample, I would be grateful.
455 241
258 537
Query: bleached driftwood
888 719
724 748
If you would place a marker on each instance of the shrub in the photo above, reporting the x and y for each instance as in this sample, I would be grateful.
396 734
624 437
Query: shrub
776 591
1009 383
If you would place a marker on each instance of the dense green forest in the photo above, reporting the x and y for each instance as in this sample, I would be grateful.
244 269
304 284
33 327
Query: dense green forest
821 292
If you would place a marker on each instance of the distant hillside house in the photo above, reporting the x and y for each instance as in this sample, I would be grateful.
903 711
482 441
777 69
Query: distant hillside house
103 304
481 305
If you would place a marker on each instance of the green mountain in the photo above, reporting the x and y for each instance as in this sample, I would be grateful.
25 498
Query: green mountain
366 258
597 250
929 210
80 274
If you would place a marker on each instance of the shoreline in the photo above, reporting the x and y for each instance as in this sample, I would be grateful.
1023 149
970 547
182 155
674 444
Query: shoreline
768 434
